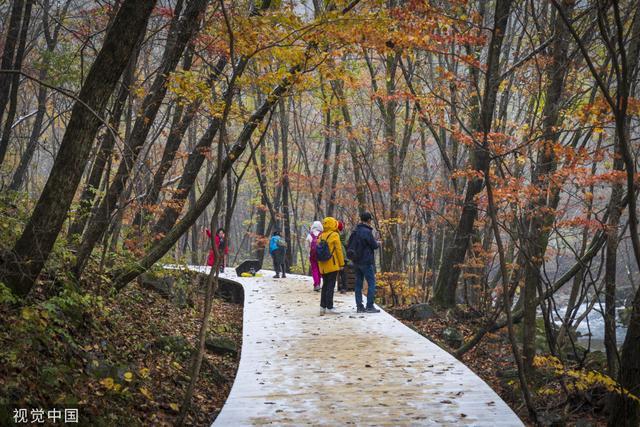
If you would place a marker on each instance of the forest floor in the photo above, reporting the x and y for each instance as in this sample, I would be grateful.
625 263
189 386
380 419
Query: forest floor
122 359
492 360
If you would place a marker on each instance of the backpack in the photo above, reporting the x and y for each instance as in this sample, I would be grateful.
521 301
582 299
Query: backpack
323 253
354 247
274 244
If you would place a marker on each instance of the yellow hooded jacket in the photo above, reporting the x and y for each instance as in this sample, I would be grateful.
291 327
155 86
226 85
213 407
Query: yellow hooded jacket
332 237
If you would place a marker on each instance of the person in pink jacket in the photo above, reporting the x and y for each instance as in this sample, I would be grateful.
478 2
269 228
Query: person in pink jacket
313 236
223 248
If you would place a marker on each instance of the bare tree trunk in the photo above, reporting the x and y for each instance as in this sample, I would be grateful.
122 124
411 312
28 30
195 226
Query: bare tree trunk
625 411
8 53
286 194
106 148
195 230
524 388
181 119
611 261
353 146
331 203
325 157
173 143
17 65
390 251
540 221
264 201
211 286
25 160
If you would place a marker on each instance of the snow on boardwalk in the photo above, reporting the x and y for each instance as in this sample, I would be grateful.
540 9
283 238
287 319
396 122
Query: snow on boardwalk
299 368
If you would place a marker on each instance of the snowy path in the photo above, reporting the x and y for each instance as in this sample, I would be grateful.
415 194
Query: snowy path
299 368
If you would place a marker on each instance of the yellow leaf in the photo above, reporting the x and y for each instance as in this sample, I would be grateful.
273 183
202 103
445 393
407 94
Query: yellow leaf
144 372
128 376
107 382
146 393
174 406
27 313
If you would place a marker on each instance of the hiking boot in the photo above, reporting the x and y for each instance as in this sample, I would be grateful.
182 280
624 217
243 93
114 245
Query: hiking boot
372 310
332 311
277 276
361 309
284 276
317 288
322 311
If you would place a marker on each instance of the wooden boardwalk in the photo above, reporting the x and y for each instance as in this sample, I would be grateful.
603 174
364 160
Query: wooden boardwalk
299 368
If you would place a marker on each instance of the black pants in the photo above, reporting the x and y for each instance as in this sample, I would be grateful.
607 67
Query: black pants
280 269
342 280
328 283
279 262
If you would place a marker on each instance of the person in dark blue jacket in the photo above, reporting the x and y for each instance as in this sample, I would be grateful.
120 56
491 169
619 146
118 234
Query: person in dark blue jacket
360 250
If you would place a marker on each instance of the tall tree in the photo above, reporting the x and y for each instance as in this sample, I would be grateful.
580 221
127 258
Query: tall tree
445 288
15 81
541 209
8 54
286 193
105 150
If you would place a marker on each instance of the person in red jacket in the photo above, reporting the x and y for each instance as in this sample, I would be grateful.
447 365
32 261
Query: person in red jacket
223 248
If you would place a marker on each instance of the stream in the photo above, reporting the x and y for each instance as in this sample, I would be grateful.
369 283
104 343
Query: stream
591 329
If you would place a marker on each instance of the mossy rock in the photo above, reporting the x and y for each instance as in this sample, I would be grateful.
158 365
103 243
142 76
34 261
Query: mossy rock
173 344
221 345
551 419
596 360
416 312
98 367
162 285
507 373
509 381
452 337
